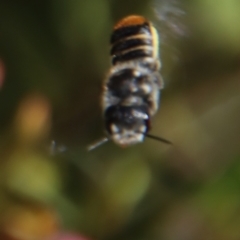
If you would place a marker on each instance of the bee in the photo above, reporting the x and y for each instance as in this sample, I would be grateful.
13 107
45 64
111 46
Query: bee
131 90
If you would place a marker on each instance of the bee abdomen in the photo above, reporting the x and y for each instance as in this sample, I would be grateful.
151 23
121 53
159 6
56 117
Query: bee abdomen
131 40
129 44
132 55
125 31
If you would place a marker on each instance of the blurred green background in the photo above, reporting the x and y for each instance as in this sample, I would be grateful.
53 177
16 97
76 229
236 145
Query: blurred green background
53 58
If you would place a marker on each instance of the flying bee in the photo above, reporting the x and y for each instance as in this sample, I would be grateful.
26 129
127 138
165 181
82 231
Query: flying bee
131 90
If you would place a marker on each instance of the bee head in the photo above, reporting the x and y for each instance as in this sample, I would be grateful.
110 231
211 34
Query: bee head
127 125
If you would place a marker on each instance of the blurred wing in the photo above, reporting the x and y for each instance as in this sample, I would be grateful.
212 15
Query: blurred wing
171 15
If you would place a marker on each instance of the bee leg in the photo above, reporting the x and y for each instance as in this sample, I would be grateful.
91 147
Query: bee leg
158 80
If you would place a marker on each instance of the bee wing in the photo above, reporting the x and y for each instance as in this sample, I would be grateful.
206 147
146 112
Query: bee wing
171 18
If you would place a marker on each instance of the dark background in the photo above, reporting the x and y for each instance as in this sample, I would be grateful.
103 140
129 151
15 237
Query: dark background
53 58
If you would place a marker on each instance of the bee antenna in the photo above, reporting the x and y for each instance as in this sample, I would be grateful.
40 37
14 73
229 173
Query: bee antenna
160 139
97 143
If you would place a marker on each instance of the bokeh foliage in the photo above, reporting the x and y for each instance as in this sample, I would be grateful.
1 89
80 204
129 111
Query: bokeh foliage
53 58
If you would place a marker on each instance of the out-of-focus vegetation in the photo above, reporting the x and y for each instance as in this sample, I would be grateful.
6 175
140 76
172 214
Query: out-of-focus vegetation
53 58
